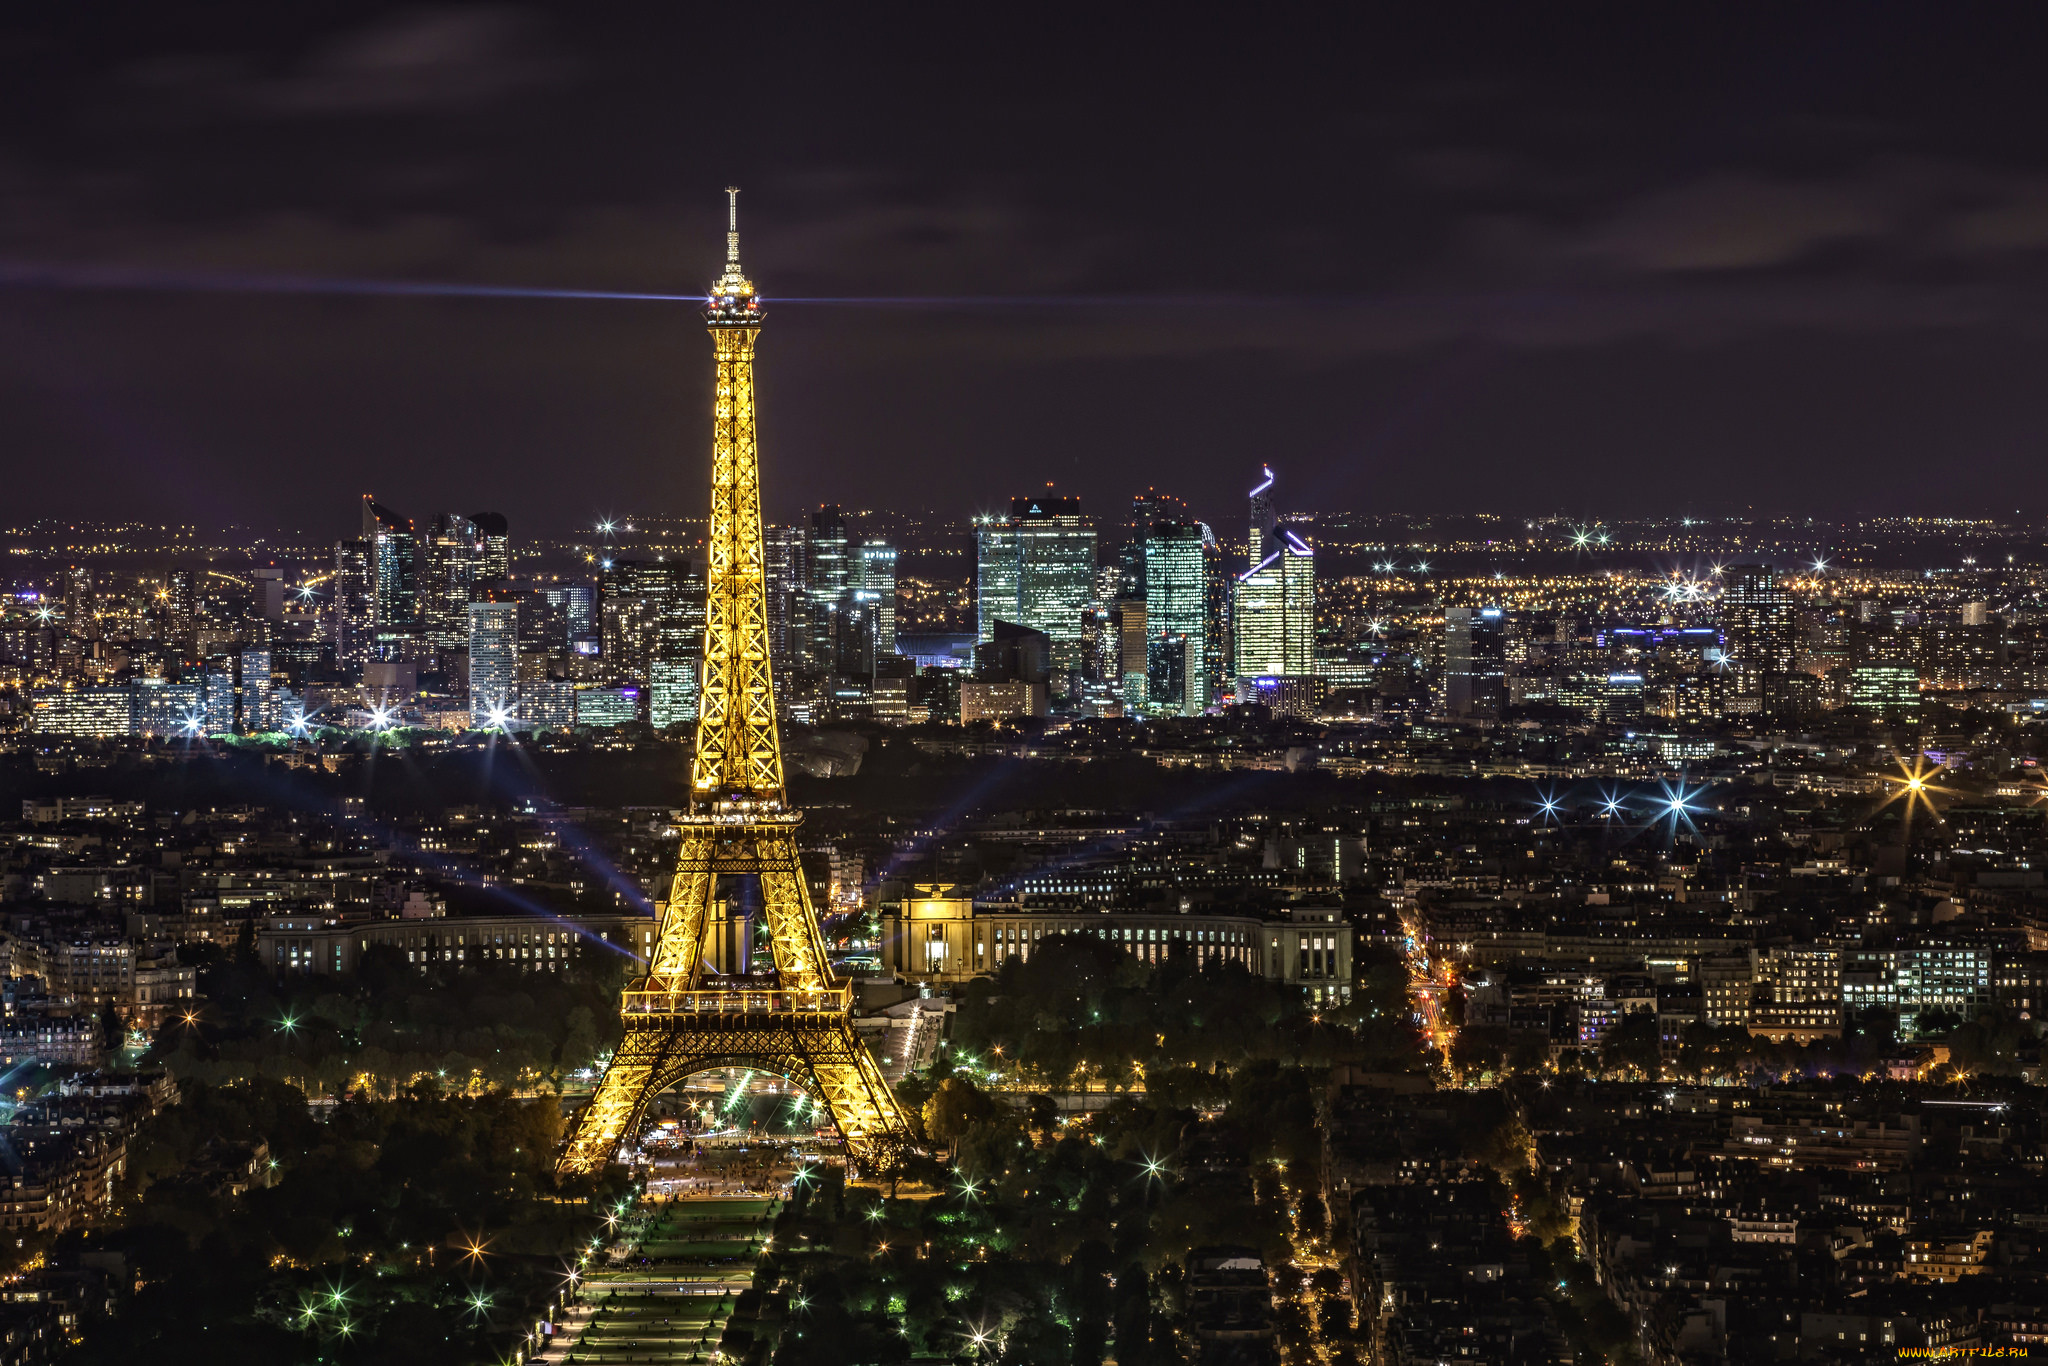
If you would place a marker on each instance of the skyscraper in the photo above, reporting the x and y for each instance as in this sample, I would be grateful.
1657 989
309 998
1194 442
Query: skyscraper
258 698
995 575
451 559
1037 569
354 601
1176 605
1475 661
578 605
493 656
1759 621
181 622
1263 521
1273 616
81 603
1146 508
874 573
650 609
785 549
494 542
676 668
1127 619
394 578
825 578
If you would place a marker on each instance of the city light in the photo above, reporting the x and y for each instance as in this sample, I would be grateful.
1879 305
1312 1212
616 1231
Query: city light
1547 837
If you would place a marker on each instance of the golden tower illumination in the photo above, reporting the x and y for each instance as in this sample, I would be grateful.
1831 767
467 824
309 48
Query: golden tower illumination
679 1021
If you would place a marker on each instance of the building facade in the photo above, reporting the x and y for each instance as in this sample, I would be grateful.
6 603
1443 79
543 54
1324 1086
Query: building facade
938 935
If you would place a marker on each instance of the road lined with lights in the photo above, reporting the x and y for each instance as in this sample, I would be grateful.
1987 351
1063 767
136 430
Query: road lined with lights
1427 986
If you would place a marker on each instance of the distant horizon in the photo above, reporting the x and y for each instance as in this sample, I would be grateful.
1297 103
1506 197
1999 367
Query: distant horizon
1225 528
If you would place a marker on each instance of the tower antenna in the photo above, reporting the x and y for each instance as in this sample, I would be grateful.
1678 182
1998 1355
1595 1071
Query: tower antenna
732 225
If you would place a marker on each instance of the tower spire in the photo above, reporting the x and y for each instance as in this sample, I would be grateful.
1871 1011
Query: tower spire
732 302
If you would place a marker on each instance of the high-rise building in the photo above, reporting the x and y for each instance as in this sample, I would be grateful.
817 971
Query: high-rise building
995 575
1177 604
577 605
182 609
1475 661
493 656
494 541
1759 621
856 633
1273 616
1263 520
163 708
626 614
269 593
1146 508
548 704
785 549
81 603
1170 661
675 671
1890 690
353 601
1037 569
874 573
451 555
825 578
1127 620
394 578
257 700
217 696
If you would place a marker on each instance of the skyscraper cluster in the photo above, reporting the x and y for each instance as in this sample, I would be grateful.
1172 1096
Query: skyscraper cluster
1162 628
423 622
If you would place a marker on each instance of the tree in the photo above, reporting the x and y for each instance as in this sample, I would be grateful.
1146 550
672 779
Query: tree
579 1039
1632 1045
113 1031
957 1106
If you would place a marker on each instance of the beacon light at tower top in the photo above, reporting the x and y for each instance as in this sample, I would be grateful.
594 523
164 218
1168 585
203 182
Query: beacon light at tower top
732 300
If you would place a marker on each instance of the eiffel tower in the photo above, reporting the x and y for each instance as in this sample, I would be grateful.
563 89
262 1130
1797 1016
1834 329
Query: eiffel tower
678 1019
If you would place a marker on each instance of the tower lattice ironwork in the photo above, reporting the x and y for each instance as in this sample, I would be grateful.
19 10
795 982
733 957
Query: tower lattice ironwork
679 1018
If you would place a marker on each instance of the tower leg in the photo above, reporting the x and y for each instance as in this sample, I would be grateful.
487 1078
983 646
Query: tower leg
792 926
616 1106
861 1102
679 939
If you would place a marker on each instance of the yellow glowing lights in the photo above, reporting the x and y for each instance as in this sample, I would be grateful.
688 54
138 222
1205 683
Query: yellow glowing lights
677 1023
1915 785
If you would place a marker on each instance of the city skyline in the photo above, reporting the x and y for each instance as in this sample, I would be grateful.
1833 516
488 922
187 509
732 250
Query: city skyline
1455 766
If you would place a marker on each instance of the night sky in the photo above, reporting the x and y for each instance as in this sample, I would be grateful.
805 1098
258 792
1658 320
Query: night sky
1517 259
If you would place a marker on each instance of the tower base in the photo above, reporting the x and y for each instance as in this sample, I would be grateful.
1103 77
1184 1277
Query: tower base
817 1049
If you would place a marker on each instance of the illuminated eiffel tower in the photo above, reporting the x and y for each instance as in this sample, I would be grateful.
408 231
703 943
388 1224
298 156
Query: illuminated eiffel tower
679 1021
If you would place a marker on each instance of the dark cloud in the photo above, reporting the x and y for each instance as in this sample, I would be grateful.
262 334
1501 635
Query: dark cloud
419 60
1550 256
